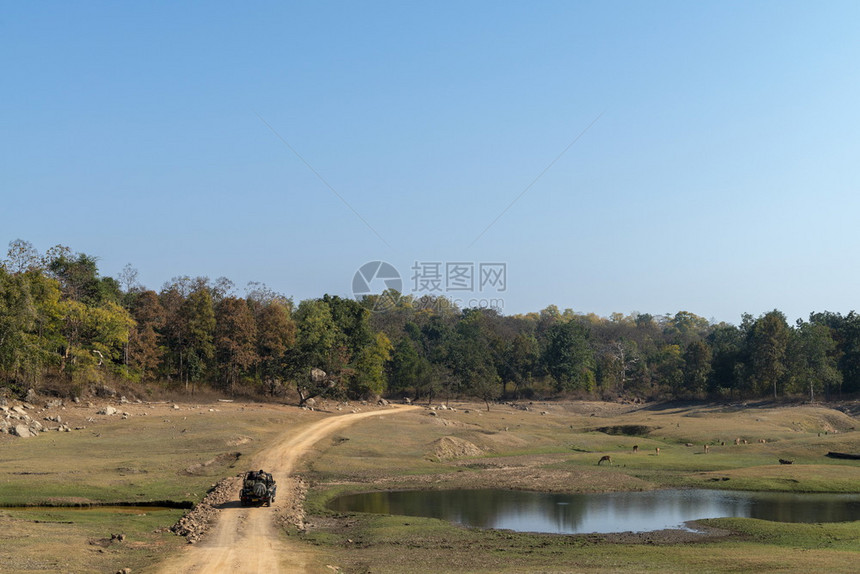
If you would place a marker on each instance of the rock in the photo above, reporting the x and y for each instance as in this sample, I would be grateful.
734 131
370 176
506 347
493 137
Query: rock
23 431
19 410
175 407
382 402
31 396
108 410
433 414
317 375
53 404
310 403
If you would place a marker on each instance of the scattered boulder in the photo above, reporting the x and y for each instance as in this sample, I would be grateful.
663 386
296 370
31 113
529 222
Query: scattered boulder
23 431
108 410
31 396
318 375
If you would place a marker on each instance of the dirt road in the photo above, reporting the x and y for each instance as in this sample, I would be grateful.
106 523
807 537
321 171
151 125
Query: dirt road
246 539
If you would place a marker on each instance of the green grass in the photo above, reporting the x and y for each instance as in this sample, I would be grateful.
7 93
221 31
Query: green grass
140 459
66 540
549 448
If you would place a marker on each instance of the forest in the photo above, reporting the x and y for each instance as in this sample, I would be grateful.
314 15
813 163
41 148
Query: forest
65 329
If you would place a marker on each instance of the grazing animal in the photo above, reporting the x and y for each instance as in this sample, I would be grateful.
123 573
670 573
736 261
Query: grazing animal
657 450
737 441
607 458
635 448
783 461
707 449
762 440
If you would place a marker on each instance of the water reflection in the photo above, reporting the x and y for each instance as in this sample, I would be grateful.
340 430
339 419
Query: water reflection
612 512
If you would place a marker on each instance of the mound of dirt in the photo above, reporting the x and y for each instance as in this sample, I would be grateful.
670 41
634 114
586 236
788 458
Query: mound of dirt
200 469
449 447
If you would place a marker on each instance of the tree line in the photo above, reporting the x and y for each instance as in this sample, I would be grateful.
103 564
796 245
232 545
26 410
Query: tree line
65 328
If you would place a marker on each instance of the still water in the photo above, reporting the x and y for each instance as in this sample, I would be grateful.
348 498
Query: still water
611 512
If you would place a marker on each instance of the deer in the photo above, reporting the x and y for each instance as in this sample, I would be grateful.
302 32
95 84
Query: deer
635 448
657 450
607 458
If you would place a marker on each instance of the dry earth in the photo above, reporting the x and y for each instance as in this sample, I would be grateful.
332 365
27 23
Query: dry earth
248 539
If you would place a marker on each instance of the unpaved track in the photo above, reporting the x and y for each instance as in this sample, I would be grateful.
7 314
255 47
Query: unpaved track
246 539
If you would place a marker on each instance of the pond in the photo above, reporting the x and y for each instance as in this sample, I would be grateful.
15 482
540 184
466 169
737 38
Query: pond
610 512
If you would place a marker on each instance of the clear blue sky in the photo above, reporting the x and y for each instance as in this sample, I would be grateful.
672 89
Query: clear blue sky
720 175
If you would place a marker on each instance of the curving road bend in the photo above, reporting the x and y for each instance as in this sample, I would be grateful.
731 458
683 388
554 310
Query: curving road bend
246 539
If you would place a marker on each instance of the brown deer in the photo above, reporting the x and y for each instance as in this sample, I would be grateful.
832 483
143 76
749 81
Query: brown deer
635 448
607 458
657 450
707 449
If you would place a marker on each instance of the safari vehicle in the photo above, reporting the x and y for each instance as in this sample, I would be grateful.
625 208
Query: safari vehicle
258 487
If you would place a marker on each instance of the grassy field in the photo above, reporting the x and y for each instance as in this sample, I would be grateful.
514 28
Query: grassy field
160 453
556 447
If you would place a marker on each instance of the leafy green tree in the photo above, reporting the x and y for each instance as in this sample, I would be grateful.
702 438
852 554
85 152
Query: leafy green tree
79 279
697 368
768 344
684 327
727 344
197 314
568 358
523 358
17 324
406 367
846 333
370 376
276 336
813 359
669 370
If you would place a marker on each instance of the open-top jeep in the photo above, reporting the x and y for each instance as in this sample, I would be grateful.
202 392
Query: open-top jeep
258 487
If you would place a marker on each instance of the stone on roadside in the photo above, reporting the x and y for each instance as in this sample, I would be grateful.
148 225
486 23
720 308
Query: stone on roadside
108 410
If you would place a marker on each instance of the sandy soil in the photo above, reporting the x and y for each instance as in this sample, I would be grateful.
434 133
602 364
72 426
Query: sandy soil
247 539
